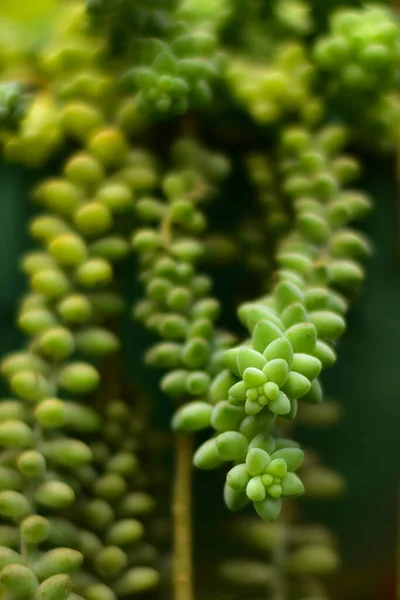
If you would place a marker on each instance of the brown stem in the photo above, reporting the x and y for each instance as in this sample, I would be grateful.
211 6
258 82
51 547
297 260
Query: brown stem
166 231
182 501
278 559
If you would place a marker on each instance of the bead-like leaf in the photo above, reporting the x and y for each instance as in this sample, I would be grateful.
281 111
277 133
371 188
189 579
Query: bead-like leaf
234 500
292 456
250 358
263 441
58 561
231 445
277 370
302 337
281 405
307 365
206 456
269 508
287 293
264 334
255 489
257 461
57 587
253 407
251 426
328 324
292 485
296 385
253 377
294 314
238 391
315 394
193 417
226 417
230 360
219 389
325 354
280 348
251 314
238 477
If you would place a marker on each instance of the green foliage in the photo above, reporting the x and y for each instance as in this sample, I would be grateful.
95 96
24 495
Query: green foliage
361 50
12 104
153 112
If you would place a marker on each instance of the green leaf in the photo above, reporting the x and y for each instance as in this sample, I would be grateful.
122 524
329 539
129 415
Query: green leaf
193 417
14 434
251 314
269 508
57 587
253 377
250 358
292 456
328 324
255 489
165 63
296 385
219 389
206 456
238 478
291 415
9 557
257 460
253 407
302 337
280 348
58 561
137 580
231 445
230 360
251 426
264 334
139 77
294 314
226 417
67 452
325 354
238 391
308 366
263 441
18 581
281 405
315 393
277 370
13 504
287 293
234 500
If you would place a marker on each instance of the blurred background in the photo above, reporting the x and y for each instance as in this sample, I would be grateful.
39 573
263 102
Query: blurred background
365 446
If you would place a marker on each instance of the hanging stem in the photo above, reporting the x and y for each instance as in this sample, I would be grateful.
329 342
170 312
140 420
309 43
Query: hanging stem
279 587
182 516
278 558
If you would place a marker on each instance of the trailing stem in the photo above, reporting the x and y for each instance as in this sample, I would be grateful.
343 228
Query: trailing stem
182 516
279 584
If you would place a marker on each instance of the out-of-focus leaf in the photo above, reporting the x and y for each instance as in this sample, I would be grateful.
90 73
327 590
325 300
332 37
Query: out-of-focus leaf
26 10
